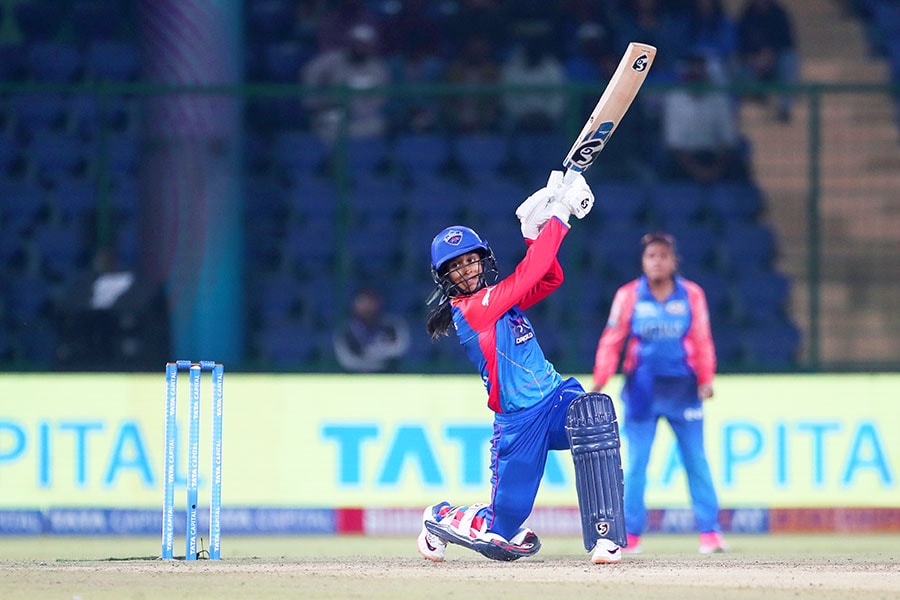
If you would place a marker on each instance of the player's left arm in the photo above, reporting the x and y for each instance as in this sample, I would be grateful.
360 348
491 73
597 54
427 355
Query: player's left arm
699 341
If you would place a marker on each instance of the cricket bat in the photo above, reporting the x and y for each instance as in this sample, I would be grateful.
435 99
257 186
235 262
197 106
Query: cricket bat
617 97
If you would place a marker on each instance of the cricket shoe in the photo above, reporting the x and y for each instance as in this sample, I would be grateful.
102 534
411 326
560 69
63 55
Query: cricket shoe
466 526
430 546
606 552
633 545
712 543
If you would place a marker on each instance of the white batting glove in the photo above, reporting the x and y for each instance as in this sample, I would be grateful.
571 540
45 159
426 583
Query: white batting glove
532 211
577 196
539 207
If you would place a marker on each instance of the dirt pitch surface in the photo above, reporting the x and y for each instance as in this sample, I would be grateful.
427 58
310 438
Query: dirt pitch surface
767 567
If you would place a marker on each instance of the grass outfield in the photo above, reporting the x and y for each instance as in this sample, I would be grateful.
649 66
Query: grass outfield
776 567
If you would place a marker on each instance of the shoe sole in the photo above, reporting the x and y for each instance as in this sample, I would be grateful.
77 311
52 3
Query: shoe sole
432 558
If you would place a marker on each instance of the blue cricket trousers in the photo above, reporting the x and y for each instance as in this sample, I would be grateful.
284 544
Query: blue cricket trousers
519 449
686 420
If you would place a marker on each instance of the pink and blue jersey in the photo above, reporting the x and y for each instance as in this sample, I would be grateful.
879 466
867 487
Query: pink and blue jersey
497 336
668 342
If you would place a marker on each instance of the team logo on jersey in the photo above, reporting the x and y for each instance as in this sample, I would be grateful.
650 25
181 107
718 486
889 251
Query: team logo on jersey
677 307
453 237
645 309
521 329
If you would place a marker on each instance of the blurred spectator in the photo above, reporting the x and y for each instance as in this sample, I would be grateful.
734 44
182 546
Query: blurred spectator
110 317
414 59
700 136
465 18
475 64
593 62
713 34
370 341
766 49
357 66
339 16
576 13
532 63
652 22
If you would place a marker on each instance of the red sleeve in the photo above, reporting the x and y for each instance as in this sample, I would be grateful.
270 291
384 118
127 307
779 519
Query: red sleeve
551 280
535 277
698 343
618 326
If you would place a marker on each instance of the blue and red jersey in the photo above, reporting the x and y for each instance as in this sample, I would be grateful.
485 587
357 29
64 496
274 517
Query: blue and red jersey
497 336
665 339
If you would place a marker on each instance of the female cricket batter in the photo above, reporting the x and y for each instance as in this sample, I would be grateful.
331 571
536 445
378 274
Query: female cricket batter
528 396
669 365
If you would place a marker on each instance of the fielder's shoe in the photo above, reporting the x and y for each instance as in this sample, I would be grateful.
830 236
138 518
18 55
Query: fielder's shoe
430 546
606 552
634 545
712 542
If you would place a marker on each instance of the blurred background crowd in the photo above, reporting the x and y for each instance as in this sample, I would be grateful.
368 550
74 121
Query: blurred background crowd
365 127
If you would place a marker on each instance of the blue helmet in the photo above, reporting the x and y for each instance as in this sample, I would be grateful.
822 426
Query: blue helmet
454 241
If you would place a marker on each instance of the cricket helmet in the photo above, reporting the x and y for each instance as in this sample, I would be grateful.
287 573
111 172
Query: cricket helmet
454 241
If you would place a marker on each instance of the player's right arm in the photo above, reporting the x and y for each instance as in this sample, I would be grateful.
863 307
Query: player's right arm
617 329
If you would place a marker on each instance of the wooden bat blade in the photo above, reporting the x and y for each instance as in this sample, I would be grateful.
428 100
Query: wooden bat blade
621 90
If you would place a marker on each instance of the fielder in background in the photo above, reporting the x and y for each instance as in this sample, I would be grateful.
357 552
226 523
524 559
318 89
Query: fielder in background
669 365
535 409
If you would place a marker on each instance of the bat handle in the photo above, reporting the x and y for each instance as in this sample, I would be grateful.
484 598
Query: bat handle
569 177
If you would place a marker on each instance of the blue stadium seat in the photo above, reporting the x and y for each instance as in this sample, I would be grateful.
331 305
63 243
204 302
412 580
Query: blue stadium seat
40 19
762 294
60 248
436 198
54 61
275 296
298 151
98 19
678 201
735 202
75 198
286 345
495 198
374 247
283 60
29 299
377 198
265 198
313 198
269 20
10 153
618 201
775 346
39 110
748 245
729 344
123 152
421 154
59 155
696 243
111 60
365 156
21 204
718 290
480 154
12 62
311 248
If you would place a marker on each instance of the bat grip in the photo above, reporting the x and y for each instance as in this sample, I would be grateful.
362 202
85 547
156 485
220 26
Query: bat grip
569 177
